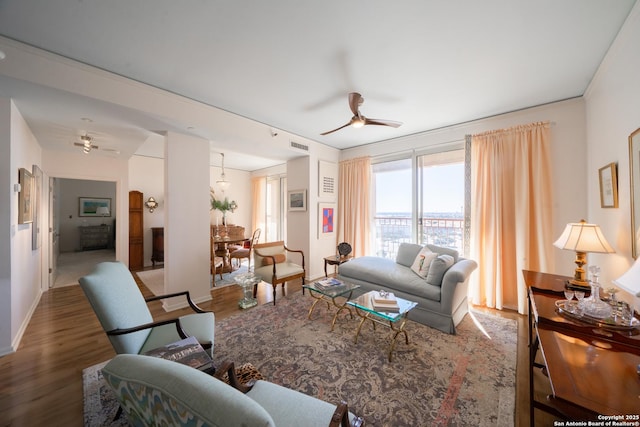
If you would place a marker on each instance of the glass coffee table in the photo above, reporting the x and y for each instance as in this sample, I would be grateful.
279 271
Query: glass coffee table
394 321
344 290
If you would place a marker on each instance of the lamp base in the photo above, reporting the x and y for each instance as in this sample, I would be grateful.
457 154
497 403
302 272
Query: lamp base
578 284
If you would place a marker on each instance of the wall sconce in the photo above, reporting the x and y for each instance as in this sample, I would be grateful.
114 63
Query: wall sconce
151 204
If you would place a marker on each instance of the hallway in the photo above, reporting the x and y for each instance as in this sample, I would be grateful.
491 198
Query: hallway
73 265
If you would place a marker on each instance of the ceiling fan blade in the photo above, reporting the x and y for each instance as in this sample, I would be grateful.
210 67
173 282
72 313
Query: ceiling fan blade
79 144
355 100
331 131
379 122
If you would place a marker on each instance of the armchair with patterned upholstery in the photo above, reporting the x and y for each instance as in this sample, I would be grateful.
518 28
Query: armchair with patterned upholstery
154 391
272 265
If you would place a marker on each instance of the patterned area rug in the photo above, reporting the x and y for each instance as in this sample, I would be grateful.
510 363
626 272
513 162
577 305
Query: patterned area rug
437 379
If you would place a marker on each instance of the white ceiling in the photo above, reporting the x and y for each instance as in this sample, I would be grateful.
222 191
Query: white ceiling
289 65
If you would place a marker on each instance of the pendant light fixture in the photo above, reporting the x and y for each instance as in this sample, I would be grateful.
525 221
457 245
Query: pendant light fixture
222 182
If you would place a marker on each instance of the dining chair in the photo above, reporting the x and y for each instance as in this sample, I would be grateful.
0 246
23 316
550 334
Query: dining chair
245 252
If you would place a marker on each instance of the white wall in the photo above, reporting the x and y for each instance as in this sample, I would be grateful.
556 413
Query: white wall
613 113
568 154
21 278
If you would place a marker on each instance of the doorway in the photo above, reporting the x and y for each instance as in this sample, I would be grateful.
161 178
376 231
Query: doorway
80 235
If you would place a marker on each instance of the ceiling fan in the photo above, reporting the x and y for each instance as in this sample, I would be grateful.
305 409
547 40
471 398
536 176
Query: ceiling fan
88 145
358 120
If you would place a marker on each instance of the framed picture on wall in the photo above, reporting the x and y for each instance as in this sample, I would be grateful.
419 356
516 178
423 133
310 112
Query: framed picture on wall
95 206
36 235
297 200
326 220
25 197
608 186
327 179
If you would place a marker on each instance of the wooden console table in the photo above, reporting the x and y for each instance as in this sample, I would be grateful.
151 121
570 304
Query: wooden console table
592 371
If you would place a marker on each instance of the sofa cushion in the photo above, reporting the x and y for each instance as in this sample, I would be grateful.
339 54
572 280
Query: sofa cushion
422 262
390 276
447 251
407 252
438 268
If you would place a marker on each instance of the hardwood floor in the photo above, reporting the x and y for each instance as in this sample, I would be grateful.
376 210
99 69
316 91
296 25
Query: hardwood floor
41 384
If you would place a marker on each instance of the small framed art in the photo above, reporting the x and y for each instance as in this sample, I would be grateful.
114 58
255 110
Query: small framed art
25 197
608 186
297 200
326 219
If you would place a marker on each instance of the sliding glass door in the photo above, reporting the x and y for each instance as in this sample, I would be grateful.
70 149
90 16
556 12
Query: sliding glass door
419 199
440 196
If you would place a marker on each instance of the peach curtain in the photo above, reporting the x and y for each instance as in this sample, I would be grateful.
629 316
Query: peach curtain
511 212
354 200
258 201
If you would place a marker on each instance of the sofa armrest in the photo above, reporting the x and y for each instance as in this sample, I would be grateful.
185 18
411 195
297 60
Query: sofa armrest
458 273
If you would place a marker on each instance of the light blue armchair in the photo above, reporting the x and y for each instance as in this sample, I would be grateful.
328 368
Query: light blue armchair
156 391
125 316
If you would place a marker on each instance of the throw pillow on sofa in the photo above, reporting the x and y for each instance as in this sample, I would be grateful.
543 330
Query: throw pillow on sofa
422 262
438 267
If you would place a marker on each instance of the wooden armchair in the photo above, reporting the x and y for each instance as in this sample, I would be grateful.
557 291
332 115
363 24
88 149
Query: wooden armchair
125 317
272 265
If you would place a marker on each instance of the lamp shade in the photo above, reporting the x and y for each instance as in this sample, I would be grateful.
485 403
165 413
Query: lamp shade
102 210
630 281
583 237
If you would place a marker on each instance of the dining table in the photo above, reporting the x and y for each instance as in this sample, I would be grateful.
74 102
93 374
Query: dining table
222 244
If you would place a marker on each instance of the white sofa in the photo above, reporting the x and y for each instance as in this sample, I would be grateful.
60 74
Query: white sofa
440 305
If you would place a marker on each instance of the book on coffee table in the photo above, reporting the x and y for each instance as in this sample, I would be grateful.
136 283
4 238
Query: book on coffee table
385 302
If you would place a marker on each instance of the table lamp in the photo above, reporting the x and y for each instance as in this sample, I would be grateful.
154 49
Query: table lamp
582 238
102 211
630 280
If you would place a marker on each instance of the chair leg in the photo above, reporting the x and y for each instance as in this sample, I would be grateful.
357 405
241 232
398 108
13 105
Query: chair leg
274 294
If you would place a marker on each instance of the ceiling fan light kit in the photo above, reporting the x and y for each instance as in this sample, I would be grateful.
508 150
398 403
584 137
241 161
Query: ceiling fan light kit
358 120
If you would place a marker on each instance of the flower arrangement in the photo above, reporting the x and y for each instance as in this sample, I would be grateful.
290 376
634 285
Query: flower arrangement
222 205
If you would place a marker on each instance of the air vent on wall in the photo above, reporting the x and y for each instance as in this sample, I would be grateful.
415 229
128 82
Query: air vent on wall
299 146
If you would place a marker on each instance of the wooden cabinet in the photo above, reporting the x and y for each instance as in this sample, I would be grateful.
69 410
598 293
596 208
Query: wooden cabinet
158 245
136 235
95 237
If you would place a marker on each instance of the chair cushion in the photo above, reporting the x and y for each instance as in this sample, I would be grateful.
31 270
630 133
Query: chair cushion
280 258
285 269
199 325
290 408
154 391
118 304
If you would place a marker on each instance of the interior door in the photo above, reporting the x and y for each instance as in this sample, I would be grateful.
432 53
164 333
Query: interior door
54 248
136 231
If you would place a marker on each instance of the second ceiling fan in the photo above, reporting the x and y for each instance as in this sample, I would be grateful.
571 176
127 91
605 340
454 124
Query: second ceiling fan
358 120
